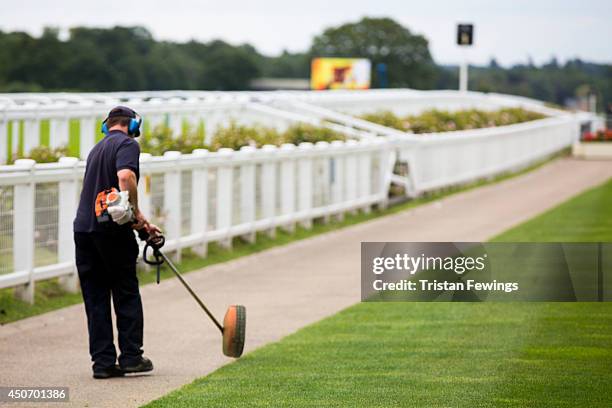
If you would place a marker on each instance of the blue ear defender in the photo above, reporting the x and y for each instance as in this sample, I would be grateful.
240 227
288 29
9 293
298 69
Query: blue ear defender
133 126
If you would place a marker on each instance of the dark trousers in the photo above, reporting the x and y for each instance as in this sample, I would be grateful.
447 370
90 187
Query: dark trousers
106 262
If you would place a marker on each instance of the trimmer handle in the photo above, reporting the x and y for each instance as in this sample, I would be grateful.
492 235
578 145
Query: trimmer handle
143 234
156 243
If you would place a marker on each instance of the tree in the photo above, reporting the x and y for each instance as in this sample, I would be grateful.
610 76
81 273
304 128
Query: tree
381 40
287 65
128 58
227 67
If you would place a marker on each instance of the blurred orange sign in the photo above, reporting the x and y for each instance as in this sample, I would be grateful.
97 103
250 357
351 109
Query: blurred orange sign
340 73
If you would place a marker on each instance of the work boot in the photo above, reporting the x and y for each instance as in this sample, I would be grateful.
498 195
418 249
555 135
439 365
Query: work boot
110 372
142 366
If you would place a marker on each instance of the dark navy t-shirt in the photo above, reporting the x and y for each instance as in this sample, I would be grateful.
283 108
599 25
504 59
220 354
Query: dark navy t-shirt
115 152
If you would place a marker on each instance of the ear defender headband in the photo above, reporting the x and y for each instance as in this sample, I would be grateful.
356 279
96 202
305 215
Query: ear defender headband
135 120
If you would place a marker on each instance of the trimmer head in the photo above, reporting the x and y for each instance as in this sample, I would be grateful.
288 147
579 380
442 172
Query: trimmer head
234 327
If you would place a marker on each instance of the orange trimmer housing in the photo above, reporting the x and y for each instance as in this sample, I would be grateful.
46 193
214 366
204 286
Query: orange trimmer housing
102 200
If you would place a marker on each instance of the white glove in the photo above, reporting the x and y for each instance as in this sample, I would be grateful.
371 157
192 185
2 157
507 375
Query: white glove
120 209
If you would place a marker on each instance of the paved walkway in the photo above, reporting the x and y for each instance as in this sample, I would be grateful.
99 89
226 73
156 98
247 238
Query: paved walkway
283 289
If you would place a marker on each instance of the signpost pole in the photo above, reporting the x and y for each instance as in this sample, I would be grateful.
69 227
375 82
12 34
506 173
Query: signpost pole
463 74
465 38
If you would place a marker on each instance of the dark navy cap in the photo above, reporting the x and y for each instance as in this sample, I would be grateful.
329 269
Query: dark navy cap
121 111
124 111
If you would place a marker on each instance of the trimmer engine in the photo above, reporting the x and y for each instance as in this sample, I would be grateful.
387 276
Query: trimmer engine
114 205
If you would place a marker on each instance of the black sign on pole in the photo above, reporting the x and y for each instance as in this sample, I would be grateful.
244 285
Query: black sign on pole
465 34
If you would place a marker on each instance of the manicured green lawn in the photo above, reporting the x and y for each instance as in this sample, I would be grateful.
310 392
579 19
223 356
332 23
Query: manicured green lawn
425 355
585 218
438 354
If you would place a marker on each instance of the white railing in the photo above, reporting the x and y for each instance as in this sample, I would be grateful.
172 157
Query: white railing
78 115
208 197
440 160
197 198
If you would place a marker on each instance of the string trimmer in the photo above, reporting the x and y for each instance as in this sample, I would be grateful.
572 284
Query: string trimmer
234 322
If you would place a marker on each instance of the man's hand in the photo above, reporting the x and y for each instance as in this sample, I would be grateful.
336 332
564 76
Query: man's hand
152 229
140 221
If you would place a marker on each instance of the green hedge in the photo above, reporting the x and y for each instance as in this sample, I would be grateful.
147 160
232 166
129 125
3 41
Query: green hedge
436 121
233 136
161 140
44 154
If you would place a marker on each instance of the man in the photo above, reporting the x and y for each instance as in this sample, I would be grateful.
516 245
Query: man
106 252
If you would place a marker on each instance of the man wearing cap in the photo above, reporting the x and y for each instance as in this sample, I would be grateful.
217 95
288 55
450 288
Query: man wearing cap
106 252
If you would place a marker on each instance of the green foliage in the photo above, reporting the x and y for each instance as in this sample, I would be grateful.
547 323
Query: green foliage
386 118
120 59
286 65
443 121
128 58
381 40
46 154
302 132
235 136
162 140
553 82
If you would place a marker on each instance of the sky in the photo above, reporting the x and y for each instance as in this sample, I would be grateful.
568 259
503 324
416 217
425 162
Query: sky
511 31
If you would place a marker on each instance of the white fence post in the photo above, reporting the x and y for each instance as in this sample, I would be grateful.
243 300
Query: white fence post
144 193
172 201
87 136
305 184
68 193
247 192
268 188
384 172
3 141
224 195
16 124
199 201
353 174
144 186
31 134
175 122
325 176
338 175
58 132
364 177
287 184
23 231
